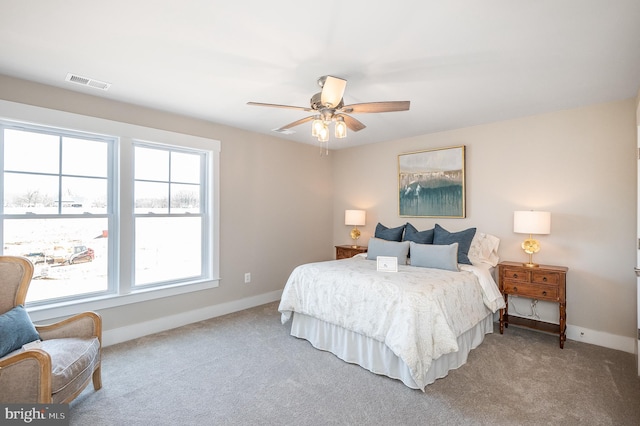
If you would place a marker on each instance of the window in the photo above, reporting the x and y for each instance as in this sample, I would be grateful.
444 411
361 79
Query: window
106 219
169 217
57 207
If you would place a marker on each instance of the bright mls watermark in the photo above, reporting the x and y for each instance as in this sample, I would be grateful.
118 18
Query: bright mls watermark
34 414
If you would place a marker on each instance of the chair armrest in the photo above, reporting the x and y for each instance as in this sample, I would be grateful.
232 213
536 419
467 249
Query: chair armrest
86 324
26 377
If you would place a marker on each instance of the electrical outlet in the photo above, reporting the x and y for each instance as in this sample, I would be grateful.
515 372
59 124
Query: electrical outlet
247 277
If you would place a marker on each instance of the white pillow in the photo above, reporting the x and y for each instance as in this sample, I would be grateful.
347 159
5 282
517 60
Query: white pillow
438 256
484 249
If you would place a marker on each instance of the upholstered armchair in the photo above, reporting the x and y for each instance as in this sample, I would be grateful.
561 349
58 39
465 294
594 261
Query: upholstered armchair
62 364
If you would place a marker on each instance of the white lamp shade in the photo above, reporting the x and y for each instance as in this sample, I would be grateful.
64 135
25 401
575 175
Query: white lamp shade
354 217
532 222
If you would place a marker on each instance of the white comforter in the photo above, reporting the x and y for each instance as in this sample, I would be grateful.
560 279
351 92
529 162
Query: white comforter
417 312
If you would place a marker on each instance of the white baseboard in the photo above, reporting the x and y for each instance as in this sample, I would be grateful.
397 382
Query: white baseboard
621 343
122 334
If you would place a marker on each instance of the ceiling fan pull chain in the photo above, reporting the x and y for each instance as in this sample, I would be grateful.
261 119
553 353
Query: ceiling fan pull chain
324 149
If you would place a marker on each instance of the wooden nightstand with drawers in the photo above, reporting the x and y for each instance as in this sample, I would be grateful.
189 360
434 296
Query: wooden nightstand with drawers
541 283
345 252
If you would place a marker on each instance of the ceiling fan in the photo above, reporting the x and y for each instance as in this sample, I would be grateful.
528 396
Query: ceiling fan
328 106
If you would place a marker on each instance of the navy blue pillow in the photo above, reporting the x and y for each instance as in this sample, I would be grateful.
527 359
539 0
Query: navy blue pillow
463 238
389 234
420 237
16 329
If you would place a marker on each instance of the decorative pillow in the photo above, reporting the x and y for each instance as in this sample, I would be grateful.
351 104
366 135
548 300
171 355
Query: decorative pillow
379 247
443 237
420 237
389 234
435 256
16 329
484 249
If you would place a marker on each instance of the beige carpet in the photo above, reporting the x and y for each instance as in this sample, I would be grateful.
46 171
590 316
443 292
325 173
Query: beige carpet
245 369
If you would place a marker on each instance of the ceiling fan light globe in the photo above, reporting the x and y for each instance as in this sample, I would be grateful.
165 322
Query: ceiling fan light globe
316 126
332 91
340 129
323 135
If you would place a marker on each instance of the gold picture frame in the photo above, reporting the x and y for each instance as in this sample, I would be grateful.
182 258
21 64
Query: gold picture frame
431 183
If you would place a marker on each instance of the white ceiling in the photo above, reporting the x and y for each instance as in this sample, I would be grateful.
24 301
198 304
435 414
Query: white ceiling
459 62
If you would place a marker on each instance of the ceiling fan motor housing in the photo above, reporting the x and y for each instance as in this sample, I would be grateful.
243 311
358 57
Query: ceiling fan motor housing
316 103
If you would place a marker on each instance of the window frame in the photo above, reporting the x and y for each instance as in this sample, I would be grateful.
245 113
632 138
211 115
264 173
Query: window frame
109 214
205 242
121 268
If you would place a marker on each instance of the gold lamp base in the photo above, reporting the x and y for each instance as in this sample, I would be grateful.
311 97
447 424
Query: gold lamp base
355 234
530 246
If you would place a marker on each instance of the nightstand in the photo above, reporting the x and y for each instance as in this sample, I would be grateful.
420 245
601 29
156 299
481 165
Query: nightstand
345 252
542 283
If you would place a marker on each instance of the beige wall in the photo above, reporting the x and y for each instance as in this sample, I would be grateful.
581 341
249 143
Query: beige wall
578 164
283 205
276 202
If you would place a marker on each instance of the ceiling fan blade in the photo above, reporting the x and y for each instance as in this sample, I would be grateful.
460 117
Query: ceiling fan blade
389 106
351 122
296 123
332 91
279 106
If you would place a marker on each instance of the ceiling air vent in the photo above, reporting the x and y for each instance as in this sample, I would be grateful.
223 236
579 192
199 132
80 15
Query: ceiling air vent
90 82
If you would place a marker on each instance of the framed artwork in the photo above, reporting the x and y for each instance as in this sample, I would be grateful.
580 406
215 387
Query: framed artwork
431 183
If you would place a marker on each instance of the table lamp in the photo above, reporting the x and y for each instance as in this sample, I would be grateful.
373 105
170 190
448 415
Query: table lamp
531 222
354 218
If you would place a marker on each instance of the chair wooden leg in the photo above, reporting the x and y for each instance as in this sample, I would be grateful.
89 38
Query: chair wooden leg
97 378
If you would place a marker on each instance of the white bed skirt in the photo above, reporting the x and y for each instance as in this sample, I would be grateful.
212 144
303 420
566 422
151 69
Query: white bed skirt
375 356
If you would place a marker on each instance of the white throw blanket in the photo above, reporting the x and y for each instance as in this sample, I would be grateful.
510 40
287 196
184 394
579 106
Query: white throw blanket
417 312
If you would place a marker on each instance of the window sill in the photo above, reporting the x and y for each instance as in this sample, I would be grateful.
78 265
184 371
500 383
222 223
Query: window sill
65 309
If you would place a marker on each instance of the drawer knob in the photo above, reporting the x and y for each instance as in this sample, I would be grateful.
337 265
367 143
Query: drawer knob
515 275
544 279
544 293
515 288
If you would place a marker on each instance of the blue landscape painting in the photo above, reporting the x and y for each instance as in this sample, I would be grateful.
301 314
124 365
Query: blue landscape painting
431 183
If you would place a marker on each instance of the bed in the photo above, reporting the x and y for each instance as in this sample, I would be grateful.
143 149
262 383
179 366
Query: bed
414 325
